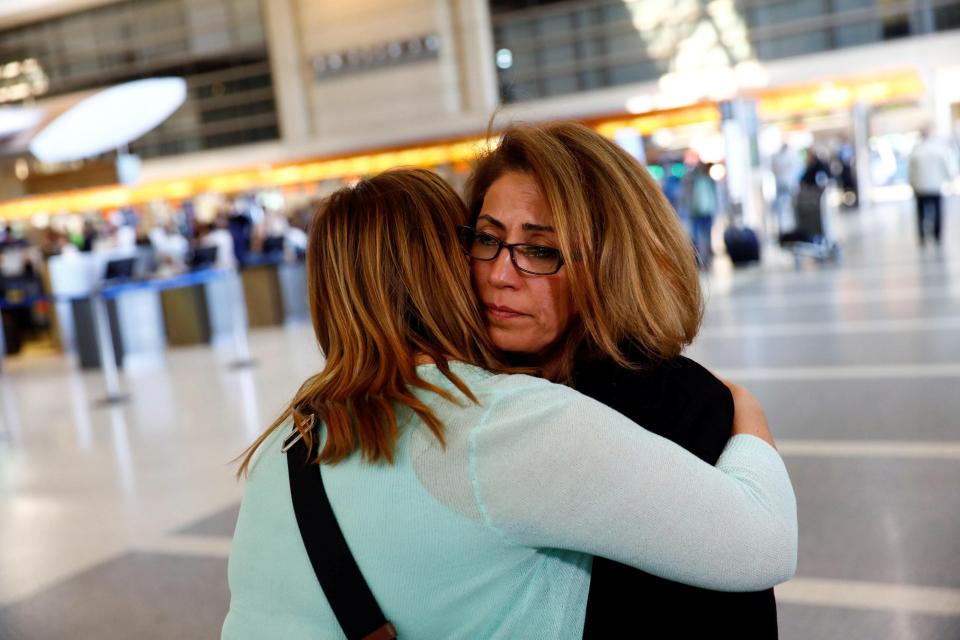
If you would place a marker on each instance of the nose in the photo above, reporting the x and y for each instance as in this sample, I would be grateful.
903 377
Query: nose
503 273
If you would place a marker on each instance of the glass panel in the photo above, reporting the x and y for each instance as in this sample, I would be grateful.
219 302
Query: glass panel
616 12
520 91
559 54
786 46
592 47
592 80
554 25
588 17
856 34
560 85
628 73
847 5
766 15
524 59
516 31
626 43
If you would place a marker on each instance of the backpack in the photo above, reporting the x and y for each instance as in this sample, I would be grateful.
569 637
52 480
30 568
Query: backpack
703 201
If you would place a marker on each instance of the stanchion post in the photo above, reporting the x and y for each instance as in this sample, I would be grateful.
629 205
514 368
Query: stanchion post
240 341
108 361
3 342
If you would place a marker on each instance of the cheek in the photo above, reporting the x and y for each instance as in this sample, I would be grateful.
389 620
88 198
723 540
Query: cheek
478 273
560 293
555 310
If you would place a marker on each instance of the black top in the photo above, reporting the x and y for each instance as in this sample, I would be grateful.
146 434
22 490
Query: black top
685 403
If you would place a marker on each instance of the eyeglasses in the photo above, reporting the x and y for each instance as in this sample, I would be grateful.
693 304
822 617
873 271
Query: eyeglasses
534 259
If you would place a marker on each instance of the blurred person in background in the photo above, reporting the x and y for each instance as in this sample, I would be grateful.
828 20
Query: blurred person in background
89 236
294 242
240 227
673 190
932 167
472 501
53 242
170 247
845 171
701 201
785 173
7 236
609 319
816 172
216 235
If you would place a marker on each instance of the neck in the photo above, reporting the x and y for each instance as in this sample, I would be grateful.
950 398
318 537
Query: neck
548 364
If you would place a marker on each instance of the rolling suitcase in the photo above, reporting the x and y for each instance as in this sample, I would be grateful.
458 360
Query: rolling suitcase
810 237
809 213
742 245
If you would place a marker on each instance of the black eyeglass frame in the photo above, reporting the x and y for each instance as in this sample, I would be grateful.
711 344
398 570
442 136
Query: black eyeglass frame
462 229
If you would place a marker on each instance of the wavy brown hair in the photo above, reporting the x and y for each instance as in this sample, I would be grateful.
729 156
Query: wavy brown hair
386 283
631 267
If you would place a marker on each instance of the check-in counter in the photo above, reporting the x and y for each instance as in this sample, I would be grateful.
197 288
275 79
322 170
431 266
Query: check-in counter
186 320
194 307
293 290
275 291
136 326
147 315
261 289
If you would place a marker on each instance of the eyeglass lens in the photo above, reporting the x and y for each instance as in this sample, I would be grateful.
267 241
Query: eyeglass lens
528 257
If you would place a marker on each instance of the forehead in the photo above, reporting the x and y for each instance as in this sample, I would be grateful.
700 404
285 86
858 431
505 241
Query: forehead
516 197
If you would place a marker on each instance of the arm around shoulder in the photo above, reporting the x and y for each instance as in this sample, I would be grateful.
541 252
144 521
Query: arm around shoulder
552 468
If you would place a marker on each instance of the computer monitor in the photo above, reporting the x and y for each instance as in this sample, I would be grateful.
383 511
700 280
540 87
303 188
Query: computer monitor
203 258
120 269
272 244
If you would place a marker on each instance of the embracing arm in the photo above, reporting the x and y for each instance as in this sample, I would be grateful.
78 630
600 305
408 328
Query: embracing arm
748 416
552 468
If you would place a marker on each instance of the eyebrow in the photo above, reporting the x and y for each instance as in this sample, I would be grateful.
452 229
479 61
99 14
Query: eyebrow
526 226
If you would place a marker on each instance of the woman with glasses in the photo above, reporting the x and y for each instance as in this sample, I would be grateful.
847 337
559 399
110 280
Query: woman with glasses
583 271
473 499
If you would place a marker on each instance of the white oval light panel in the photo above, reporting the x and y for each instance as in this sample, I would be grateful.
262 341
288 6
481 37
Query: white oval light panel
109 119
16 119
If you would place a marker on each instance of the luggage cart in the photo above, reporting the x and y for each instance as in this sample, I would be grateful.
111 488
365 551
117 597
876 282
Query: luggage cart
811 236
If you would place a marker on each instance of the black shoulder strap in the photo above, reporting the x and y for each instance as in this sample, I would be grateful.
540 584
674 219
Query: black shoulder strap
346 590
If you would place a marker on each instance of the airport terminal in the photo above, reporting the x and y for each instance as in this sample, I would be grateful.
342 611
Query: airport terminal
161 165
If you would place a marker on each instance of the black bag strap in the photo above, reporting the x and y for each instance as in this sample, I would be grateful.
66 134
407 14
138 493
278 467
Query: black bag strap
349 596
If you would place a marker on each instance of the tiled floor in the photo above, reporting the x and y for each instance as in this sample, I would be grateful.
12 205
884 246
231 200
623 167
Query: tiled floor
115 521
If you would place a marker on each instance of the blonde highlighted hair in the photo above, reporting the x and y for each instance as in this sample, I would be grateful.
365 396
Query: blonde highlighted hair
386 282
631 267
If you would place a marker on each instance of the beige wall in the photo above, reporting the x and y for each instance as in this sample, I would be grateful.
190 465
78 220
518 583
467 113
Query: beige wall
435 91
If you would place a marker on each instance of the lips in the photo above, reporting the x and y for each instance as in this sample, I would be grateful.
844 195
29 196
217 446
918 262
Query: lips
503 313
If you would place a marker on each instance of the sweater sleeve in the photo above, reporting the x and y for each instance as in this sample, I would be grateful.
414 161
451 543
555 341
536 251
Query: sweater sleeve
552 468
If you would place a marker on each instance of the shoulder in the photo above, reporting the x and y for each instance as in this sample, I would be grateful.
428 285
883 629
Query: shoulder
489 386
690 371
537 408
504 399
530 393
697 385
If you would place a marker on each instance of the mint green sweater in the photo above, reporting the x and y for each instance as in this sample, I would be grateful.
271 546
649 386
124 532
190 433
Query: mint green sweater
492 536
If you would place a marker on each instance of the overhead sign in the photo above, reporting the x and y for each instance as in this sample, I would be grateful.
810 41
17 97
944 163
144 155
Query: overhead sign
378 56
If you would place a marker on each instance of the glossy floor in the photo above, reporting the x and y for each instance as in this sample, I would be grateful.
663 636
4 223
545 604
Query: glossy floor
115 521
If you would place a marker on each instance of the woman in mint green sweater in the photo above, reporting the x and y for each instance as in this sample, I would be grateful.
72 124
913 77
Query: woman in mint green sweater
472 498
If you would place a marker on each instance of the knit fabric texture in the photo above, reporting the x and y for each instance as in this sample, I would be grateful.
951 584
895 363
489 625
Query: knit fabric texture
492 536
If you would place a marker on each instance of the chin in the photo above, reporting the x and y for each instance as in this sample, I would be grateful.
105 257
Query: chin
514 342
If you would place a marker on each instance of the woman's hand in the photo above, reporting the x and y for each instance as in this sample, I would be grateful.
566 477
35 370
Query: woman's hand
748 416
